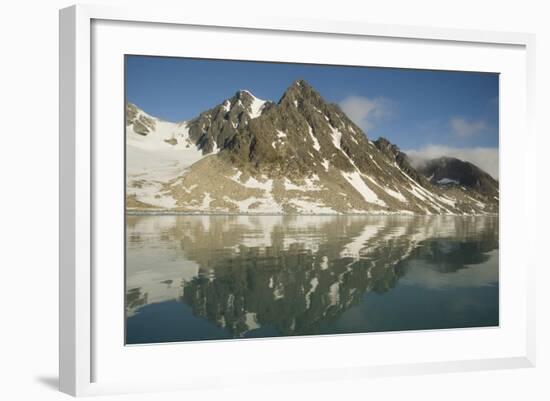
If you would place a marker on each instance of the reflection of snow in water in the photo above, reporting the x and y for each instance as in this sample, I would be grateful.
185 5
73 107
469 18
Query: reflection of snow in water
324 263
334 294
251 321
358 243
177 249
279 291
314 284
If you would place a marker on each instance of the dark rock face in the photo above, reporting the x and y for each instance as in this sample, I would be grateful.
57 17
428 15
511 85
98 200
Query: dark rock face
401 158
298 134
216 128
445 171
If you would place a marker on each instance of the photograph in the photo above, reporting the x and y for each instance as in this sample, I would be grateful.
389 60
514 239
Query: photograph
271 199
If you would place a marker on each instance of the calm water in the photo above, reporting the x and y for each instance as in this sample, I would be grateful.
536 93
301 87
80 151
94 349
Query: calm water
220 277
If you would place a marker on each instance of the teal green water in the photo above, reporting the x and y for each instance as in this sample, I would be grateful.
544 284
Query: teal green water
223 277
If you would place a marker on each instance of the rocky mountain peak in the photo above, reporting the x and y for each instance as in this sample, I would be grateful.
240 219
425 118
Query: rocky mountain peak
243 95
300 92
299 136
244 100
300 85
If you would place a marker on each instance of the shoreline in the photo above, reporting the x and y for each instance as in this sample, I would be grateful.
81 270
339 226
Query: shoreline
158 212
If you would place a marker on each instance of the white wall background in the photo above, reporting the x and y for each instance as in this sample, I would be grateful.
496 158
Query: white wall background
29 200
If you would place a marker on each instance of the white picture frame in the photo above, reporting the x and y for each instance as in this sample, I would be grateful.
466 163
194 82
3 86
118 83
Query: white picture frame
81 345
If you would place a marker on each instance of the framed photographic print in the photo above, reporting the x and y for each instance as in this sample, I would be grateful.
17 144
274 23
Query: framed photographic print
299 207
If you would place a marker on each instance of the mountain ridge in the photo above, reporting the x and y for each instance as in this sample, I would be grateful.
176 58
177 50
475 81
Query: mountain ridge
299 155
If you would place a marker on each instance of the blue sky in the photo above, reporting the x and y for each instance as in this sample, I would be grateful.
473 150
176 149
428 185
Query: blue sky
424 112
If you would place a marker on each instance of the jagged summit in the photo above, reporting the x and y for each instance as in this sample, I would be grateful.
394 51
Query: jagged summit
300 155
302 86
299 92
245 94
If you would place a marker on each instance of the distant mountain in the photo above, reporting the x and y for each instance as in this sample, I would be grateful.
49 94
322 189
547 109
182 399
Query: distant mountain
300 155
448 171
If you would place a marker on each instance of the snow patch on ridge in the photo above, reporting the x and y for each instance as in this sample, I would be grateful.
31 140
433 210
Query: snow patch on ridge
397 195
310 184
426 196
281 134
446 181
256 107
206 200
357 182
244 205
226 106
336 137
266 185
307 206
316 144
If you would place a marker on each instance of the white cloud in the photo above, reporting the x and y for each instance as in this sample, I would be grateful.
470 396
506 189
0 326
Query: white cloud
484 158
366 112
464 128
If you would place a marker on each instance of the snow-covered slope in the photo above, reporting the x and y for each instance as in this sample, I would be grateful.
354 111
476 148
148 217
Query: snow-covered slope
154 156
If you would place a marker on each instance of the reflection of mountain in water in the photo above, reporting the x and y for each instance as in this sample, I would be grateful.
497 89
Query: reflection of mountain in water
289 273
